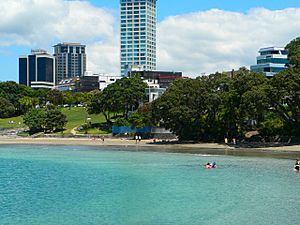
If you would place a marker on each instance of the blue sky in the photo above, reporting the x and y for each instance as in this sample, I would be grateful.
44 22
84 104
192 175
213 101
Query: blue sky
186 6
10 51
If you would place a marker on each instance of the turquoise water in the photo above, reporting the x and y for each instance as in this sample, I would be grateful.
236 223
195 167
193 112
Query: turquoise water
85 185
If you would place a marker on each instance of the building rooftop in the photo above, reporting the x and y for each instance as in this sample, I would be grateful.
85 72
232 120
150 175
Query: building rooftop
39 52
271 49
69 44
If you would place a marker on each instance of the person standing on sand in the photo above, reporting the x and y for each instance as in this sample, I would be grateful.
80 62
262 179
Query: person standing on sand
234 141
226 141
140 138
136 138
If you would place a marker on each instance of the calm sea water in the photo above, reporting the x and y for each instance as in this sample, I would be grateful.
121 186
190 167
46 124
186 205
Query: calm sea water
85 185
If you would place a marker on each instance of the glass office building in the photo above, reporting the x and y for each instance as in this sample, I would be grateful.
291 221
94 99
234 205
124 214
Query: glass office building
271 61
37 70
138 34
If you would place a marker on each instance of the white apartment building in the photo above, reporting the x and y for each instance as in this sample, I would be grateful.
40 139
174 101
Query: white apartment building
270 61
105 80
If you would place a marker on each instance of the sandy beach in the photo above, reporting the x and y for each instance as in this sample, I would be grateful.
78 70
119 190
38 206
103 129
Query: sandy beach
106 142
292 151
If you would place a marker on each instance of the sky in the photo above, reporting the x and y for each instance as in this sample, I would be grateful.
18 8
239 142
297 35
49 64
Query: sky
193 36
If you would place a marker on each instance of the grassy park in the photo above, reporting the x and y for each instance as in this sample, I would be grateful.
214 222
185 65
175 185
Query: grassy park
75 116
12 123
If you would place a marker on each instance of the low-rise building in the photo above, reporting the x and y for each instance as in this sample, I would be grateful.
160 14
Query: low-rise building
157 81
70 84
270 61
86 83
164 78
153 91
105 80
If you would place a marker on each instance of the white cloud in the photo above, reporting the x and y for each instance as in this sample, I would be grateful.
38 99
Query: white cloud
194 43
36 22
217 40
42 23
104 57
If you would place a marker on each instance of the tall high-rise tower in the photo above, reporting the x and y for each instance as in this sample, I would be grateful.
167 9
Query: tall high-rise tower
138 34
70 60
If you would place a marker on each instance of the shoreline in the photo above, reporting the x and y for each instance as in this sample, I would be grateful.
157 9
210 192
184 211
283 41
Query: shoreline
291 152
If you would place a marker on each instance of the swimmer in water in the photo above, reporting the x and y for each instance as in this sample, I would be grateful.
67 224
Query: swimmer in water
297 166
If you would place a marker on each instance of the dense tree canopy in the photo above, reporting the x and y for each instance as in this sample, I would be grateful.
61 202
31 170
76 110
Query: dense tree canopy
285 98
49 119
26 103
293 49
207 108
218 106
6 108
55 97
12 92
35 119
121 97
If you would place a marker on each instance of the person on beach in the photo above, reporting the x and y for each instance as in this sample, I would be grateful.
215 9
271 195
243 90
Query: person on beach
234 141
226 141
136 138
140 138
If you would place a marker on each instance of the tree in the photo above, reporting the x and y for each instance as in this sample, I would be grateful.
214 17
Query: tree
98 104
293 49
55 120
122 96
137 120
7 109
35 120
81 97
212 107
48 119
242 92
182 108
68 98
284 97
13 92
42 95
27 103
55 97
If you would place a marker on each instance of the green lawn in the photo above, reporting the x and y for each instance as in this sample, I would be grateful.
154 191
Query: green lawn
75 116
17 123
78 116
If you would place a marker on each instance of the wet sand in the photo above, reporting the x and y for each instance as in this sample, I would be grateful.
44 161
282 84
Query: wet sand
148 145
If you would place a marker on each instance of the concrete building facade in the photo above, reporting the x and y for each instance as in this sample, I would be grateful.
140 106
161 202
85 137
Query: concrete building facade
70 60
105 80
